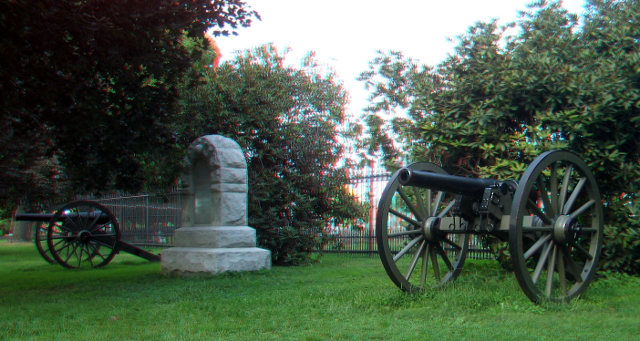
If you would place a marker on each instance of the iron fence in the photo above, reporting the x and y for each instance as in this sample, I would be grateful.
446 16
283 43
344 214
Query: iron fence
145 219
151 219
358 236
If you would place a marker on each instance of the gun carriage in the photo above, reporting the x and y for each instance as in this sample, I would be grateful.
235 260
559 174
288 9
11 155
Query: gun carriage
552 219
80 234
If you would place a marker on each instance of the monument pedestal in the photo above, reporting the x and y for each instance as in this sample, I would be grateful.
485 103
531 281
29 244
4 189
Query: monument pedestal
214 237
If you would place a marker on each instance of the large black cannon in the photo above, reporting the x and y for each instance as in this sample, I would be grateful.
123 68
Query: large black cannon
81 233
552 219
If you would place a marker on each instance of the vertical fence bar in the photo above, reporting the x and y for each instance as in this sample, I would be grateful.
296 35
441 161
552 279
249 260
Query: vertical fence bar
358 236
145 219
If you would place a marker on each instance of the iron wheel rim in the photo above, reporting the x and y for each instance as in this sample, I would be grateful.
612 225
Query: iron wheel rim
564 235
411 270
82 234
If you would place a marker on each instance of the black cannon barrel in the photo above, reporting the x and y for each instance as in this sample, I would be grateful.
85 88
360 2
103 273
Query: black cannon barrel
470 187
44 217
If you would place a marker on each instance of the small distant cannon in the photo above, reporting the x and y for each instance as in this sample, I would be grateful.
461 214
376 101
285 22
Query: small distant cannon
81 233
552 219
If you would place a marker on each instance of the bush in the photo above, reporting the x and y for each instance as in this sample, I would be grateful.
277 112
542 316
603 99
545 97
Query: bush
291 123
5 226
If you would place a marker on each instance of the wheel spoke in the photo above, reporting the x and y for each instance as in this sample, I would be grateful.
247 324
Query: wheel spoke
544 195
541 262
550 270
403 233
535 210
104 235
436 203
565 187
53 247
574 195
561 274
446 209
94 222
536 246
425 264
427 204
420 202
408 247
70 220
64 238
553 187
63 227
85 248
65 246
90 255
110 243
405 218
582 208
410 205
96 252
444 256
573 267
414 261
581 250
71 253
434 262
452 243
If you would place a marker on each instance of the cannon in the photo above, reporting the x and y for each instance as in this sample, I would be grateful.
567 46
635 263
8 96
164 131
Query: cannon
552 219
80 234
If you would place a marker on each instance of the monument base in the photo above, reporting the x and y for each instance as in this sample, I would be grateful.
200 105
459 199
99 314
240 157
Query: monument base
194 261
216 236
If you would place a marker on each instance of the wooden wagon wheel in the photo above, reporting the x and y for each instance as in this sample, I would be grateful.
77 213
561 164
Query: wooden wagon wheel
414 252
83 233
556 228
41 237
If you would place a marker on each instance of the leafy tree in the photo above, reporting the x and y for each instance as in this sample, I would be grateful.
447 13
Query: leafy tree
89 91
498 101
291 124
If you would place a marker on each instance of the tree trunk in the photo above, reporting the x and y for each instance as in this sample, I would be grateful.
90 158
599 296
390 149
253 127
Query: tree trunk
21 230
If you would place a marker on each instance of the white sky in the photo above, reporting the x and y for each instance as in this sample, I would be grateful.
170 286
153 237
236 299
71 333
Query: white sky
346 33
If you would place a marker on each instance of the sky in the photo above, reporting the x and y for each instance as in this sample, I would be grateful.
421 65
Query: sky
346 33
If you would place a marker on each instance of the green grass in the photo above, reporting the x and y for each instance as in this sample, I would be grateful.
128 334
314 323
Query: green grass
342 298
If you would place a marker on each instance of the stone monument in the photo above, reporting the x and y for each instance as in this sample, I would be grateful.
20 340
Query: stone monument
214 236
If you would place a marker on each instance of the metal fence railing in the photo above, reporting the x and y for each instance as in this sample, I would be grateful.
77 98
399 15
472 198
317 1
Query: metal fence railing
358 236
145 219
151 219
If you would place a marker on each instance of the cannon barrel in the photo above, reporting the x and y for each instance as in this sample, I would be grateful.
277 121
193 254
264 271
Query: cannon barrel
45 217
470 187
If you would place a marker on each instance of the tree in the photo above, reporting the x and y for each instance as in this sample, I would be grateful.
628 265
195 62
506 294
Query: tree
89 91
291 123
499 101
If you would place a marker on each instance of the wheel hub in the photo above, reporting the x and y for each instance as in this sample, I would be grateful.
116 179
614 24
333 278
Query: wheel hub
430 228
566 229
84 237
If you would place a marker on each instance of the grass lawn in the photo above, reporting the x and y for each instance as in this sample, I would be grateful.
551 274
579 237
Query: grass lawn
341 298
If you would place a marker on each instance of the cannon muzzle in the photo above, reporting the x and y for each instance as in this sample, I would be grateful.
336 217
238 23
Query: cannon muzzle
469 187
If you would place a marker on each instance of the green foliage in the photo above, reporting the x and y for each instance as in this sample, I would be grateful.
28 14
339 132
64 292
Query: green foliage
88 91
291 124
5 226
621 252
500 100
